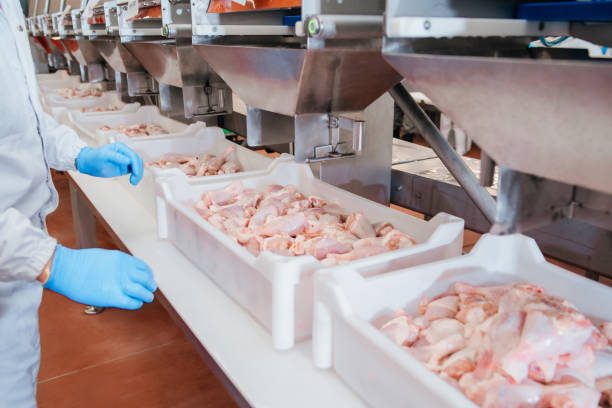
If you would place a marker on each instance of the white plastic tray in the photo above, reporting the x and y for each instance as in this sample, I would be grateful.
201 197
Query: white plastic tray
204 140
349 309
89 125
61 114
55 104
277 290
59 79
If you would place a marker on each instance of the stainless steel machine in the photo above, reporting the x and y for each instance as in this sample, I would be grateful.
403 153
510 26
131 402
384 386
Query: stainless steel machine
541 114
315 77
318 84
158 34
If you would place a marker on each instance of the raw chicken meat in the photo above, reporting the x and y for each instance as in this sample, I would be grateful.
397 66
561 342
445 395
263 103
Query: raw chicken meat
443 307
359 226
285 221
199 165
402 329
355 254
291 225
81 91
141 129
100 109
321 247
507 346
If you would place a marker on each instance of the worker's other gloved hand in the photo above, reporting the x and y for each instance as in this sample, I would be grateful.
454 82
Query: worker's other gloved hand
111 160
100 277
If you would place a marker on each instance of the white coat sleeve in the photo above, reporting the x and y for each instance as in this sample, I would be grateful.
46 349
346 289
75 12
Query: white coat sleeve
24 249
62 145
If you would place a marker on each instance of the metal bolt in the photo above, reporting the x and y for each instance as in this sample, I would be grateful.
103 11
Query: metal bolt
93 310
427 24
334 122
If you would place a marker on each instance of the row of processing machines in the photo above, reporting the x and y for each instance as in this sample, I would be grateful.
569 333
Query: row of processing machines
321 79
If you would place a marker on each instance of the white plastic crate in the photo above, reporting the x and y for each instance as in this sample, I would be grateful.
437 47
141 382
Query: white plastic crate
61 114
350 309
278 290
59 79
55 104
89 126
198 140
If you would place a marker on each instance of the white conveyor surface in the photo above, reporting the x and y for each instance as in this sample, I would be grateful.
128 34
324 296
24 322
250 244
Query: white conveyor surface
238 344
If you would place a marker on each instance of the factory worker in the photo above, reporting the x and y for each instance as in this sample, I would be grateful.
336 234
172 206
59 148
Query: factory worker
31 142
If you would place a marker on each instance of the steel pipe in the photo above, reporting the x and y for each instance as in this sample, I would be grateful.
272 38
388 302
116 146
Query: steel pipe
487 169
344 26
445 152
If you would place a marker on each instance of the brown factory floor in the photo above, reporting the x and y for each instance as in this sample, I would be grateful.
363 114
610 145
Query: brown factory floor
124 358
117 358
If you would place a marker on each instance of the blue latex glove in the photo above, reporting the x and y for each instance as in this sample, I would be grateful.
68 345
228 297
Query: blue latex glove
100 277
111 160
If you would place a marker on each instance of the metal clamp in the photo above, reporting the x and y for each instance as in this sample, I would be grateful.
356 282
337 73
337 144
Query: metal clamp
215 103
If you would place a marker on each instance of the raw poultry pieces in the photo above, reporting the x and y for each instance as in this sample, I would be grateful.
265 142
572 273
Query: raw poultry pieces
82 91
100 109
140 129
507 346
199 165
284 221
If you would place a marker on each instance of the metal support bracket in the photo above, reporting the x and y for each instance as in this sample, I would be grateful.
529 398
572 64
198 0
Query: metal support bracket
337 147
445 152
141 84
487 169
206 101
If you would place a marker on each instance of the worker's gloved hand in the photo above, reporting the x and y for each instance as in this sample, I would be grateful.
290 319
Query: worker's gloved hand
111 160
100 277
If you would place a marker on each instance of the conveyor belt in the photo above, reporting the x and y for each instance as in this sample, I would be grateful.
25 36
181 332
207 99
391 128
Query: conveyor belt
238 345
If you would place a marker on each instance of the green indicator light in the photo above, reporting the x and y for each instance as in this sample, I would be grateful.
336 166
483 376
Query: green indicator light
313 26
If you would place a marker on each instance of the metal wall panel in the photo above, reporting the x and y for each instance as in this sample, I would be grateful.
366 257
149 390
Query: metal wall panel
40 9
54 6
74 4
31 8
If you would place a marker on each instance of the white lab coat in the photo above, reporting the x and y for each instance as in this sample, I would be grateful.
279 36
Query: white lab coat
31 142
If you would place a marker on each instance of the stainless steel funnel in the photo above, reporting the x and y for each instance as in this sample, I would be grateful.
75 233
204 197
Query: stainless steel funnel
294 81
117 55
158 59
550 118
